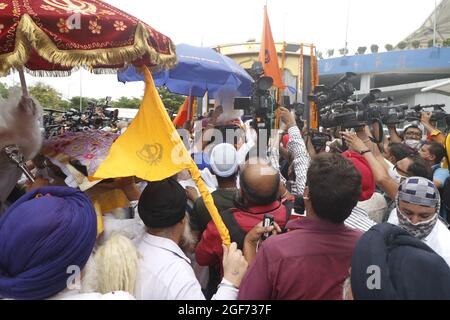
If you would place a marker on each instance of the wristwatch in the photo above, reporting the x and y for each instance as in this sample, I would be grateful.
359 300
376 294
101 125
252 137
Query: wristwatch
361 152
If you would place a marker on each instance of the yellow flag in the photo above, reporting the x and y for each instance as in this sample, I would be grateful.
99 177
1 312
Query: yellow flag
151 149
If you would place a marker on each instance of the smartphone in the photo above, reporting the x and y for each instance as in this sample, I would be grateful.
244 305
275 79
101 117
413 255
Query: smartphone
267 221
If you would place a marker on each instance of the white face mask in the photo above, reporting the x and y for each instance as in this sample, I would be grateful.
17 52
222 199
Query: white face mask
395 175
415 144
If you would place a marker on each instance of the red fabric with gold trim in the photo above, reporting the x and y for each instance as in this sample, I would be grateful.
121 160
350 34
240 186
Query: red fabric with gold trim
85 25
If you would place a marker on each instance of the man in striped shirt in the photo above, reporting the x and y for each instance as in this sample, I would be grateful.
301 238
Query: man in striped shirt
358 219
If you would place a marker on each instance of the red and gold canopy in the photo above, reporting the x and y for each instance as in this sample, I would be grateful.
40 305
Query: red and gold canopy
54 36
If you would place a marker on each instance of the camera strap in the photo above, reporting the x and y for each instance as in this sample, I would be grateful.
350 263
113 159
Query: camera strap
380 132
236 233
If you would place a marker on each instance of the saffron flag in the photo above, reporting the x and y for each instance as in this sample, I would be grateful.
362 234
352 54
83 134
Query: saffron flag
185 112
151 149
268 54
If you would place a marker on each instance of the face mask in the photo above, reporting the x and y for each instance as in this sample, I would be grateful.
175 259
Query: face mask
414 144
394 175
419 230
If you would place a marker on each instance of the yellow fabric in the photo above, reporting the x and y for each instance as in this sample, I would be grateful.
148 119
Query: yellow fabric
99 217
110 200
447 150
151 149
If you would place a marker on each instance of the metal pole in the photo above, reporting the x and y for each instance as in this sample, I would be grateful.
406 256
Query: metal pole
81 92
346 28
23 83
435 23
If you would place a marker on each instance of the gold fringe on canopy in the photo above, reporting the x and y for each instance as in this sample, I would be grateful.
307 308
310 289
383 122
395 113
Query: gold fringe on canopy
29 36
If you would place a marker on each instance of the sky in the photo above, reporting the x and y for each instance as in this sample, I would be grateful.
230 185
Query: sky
214 22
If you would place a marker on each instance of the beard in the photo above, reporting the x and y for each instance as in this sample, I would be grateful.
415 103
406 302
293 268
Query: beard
188 242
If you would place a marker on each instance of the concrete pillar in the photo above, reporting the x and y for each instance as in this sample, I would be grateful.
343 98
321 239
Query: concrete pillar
366 83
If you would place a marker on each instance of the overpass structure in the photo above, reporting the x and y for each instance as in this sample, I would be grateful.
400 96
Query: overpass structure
401 74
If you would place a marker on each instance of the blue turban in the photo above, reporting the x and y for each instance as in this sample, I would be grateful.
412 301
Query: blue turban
40 237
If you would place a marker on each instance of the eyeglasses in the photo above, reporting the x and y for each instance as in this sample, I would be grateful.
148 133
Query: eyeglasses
413 134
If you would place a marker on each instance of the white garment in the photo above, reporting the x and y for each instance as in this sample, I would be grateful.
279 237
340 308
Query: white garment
116 295
359 219
133 229
165 273
438 239
376 207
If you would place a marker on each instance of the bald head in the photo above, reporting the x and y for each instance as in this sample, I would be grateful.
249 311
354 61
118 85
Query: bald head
259 182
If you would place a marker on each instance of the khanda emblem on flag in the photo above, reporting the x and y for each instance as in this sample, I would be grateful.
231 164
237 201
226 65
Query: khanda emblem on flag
151 153
267 56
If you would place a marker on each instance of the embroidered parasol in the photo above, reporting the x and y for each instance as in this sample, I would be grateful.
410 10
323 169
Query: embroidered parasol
51 37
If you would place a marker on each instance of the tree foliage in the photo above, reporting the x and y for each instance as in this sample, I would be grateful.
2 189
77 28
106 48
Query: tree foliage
51 98
125 102
47 96
3 90
402 45
171 101
415 44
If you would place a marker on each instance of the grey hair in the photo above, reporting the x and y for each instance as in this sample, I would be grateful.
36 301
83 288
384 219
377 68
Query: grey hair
117 264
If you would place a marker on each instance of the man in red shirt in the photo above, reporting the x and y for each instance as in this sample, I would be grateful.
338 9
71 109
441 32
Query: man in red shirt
312 260
258 194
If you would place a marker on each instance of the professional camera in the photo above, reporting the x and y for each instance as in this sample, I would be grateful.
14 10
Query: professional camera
385 111
341 90
319 139
94 117
437 113
259 105
347 114
335 107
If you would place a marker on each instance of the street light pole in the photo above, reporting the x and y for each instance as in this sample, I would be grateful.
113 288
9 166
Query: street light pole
346 28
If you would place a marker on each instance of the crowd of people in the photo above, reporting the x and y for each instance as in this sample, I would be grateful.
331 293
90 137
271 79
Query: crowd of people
366 223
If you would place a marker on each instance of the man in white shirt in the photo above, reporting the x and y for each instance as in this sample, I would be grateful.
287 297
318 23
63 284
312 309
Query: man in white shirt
417 211
165 272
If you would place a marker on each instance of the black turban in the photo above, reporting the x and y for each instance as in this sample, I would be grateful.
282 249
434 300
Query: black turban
408 268
162 204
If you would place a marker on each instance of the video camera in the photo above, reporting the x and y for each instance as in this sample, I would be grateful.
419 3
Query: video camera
259 105
348 114
388 113
335 107
437 113
341 90
94 117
